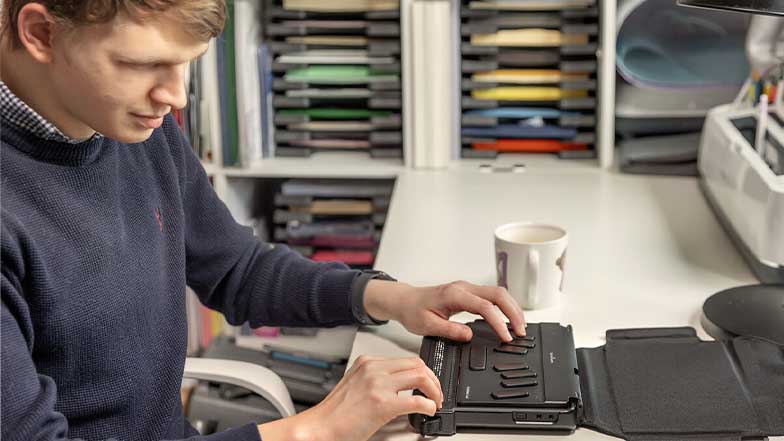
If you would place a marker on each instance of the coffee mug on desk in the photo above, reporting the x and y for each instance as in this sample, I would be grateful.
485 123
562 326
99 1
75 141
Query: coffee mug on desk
530 260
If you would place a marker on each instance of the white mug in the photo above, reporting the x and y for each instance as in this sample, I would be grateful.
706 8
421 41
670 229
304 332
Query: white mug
530 261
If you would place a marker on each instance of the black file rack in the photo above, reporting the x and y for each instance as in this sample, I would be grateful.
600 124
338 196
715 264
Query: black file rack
568 70
328 111
332 219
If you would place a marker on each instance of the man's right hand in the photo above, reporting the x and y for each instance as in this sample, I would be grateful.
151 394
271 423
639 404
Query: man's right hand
362 402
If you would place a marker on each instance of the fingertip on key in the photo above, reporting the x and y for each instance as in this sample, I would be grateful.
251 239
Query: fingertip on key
519 330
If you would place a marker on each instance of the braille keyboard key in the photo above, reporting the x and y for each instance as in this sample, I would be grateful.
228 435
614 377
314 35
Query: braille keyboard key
503 367
506 349
511 375
477 358
513 393
524 338
522 382
522 344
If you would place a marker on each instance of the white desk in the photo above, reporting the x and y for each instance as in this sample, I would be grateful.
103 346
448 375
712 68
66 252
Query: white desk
643 251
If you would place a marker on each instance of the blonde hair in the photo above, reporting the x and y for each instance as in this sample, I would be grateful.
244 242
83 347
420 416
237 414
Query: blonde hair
203 19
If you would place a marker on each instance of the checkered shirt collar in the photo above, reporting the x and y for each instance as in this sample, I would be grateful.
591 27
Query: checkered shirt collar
16 112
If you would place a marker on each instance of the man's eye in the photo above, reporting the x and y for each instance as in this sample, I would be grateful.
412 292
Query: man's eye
144 66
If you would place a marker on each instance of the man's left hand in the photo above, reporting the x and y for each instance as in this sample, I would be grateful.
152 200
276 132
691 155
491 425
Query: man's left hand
426 310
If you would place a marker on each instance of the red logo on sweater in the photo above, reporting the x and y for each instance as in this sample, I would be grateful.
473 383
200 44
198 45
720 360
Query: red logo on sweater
159 218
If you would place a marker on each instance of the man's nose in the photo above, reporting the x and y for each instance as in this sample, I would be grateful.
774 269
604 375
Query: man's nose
171 89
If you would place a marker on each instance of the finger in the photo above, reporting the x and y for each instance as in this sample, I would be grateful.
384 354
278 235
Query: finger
360 361
417 379
393 366
405 404
432 375
500 296
450 329
470 302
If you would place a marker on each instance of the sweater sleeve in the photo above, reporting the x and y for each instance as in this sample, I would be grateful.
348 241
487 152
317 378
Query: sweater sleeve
29 398
248 280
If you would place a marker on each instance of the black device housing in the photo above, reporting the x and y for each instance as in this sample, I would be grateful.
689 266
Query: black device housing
643 384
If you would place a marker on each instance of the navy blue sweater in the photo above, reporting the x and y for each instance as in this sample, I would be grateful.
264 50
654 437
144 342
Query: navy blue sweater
99 240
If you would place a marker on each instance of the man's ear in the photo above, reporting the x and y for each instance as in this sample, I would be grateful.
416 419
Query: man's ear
35 27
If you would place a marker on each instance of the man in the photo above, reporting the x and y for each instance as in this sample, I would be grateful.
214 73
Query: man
107 215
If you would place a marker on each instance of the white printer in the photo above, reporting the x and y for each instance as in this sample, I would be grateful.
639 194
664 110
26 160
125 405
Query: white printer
744 184
742 168
741 160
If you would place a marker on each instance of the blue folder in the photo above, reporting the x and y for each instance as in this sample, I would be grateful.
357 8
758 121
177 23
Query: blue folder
223 95
520 132
520 112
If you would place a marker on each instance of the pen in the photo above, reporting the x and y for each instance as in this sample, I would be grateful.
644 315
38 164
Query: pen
762 122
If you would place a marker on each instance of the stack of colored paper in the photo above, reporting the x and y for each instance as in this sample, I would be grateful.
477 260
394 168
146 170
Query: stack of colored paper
332 220
336 76
529 80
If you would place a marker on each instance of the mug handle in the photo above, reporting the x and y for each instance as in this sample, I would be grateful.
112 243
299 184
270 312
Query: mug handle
533 277
502 258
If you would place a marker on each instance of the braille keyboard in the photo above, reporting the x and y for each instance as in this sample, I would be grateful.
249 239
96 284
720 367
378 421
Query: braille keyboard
528 383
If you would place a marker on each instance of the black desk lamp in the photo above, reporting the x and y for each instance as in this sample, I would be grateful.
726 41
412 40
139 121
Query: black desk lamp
753 310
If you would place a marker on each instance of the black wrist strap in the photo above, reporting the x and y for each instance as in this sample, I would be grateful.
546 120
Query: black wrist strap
358 296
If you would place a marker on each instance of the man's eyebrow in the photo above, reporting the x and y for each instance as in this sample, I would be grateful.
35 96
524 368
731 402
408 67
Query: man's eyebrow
144 60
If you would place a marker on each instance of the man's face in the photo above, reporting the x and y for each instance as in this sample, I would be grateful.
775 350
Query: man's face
122 77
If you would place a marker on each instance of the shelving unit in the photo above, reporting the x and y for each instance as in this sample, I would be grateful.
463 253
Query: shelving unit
347 164
659 109
336 79
235 185
529 78
321 165
238 186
